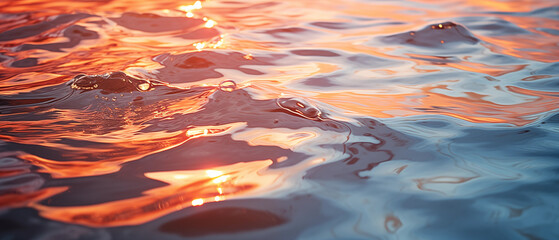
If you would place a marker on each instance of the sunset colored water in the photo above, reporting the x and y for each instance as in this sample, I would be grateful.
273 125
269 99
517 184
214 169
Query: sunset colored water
293 119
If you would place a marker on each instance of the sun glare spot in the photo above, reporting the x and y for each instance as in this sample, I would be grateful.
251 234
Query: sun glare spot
180 176
189 8
198 202
210 23
215 43
199 46
221 179
194 132
218 43
213 173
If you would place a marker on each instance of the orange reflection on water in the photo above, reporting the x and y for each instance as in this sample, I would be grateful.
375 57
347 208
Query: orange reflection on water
120 152
542 49
119 48
472 108
185 188
507 6
189 8
29 81
94 6
492 70
215 43
24 199
487 69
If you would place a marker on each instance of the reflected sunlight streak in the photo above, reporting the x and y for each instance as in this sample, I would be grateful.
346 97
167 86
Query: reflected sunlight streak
185 188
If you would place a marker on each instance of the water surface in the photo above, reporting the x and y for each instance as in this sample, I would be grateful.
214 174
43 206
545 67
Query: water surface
279 119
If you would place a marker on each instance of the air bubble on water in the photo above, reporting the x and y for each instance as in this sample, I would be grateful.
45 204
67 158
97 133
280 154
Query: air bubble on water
84 82
299 107
227 86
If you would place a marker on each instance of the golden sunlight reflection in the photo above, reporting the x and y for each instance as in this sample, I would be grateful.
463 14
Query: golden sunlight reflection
499 68
209 23
185 188
24 199
470 108
197 202
213 173
116 157
189 8
428 100
214 43
220 179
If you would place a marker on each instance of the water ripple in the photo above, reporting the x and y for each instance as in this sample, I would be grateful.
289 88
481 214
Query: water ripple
279 120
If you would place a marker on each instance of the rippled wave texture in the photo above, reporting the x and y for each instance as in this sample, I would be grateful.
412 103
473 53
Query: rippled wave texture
255 119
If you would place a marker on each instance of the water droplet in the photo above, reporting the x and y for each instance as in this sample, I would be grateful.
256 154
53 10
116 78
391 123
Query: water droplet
227 86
